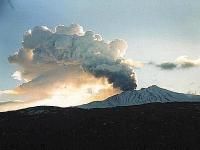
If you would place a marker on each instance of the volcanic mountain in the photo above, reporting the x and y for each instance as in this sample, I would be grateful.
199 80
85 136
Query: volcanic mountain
169 121
151 94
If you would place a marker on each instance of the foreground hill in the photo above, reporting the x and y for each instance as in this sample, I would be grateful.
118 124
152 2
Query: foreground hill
151 94
151 126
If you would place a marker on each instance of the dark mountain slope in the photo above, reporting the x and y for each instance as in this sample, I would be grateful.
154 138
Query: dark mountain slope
151 126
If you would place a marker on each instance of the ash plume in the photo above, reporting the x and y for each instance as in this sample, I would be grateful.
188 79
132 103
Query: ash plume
71 62
44 49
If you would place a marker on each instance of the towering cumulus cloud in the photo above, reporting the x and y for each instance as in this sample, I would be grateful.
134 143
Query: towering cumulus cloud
69 57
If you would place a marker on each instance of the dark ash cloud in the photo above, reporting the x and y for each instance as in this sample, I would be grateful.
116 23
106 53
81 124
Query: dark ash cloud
121 75
167 66
182 62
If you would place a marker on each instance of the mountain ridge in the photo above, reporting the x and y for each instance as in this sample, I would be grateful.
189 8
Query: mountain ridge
152 126
151 94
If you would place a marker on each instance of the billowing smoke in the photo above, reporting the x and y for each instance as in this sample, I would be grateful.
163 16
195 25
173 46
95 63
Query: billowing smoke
44 49
70 57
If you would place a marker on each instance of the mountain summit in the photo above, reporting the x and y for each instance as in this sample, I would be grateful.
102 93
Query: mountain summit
151 94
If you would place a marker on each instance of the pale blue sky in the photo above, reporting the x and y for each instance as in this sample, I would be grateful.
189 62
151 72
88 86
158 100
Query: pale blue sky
156 30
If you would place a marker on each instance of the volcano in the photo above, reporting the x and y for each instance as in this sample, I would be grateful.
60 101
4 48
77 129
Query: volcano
152 94
151 118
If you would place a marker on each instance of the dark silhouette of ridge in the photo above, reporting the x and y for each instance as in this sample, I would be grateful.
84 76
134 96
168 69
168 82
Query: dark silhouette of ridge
152 126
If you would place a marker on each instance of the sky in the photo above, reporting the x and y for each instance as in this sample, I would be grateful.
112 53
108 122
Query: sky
156 31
